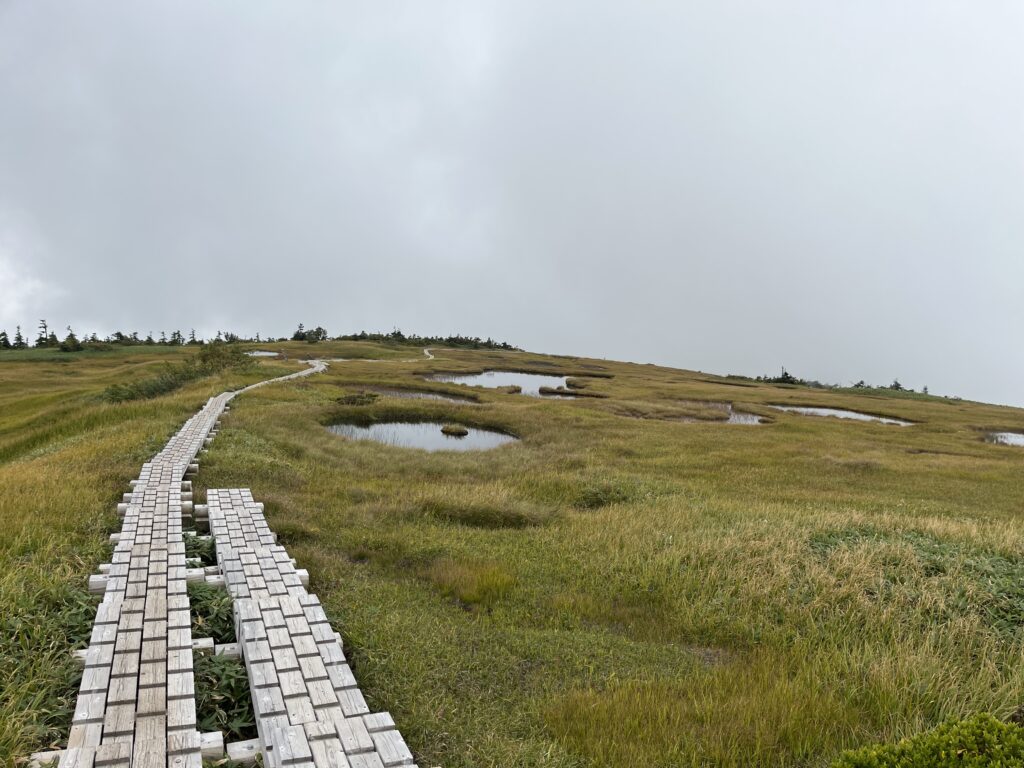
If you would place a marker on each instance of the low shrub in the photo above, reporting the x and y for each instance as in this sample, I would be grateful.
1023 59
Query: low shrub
471 584
357 399
978 741
212 614
199 548
212 358
516 514
601 494
223 699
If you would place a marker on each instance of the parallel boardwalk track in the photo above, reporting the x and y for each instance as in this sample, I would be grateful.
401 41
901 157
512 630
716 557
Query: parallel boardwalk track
136 705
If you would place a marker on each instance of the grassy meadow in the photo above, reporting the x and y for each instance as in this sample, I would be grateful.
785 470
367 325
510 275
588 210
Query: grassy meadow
633 582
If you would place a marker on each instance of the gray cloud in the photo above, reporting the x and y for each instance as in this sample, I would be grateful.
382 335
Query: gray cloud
837 187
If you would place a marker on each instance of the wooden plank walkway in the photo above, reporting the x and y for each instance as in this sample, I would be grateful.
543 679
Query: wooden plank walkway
309 710
136 704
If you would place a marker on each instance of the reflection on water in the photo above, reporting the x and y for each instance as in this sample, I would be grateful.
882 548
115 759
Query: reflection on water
529 382
1007 438
839 413
261 353
425 435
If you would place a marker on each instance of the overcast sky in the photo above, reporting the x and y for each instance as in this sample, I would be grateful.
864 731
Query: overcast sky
833 186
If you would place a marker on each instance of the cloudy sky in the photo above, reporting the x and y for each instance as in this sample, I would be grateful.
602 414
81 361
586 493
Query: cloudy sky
833 186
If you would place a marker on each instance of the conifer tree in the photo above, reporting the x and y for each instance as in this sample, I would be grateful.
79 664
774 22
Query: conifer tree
19 340
42 339
5 343
71 342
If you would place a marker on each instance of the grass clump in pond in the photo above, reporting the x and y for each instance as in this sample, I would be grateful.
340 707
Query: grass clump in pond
454 430
358 399
212 614
223 698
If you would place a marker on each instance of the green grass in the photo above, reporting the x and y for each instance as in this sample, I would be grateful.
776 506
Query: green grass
212 614
632 583
223 700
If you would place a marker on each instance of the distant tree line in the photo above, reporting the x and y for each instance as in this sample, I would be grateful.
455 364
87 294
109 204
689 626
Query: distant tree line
46 338
397 337
785 377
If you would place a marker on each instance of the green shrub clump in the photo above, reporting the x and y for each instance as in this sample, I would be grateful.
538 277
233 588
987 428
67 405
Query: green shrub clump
223 699
203 549
978 741
212 358
212 614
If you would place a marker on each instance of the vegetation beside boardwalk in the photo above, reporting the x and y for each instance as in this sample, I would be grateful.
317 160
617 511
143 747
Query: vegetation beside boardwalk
618 588
66 456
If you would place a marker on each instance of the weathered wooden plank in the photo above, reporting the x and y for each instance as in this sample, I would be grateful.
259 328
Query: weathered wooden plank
327 753
366 760
91 708
353 734
392 748
290 745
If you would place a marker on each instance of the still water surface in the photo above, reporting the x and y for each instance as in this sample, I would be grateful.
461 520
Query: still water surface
839 413
426 435
530 382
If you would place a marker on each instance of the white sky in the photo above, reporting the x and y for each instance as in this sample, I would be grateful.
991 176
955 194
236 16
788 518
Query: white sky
837 187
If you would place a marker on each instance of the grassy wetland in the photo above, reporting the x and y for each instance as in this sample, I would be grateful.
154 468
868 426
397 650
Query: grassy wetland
633 582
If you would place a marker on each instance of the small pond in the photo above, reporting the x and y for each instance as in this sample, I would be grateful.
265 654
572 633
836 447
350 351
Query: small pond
412 394
738 417
839 413
530 382
426 435
262 353
1006 438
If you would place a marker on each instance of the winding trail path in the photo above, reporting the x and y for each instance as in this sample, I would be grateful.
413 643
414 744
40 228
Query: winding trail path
136 705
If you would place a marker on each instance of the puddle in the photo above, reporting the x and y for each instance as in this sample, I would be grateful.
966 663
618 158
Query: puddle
425 435
737 417
1006 438
262 353
839 413
412 394
529 382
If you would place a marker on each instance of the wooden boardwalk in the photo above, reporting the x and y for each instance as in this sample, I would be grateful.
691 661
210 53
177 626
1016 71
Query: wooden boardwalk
136 705
309 710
